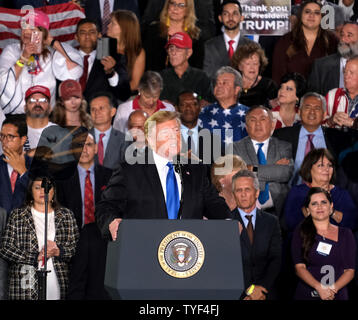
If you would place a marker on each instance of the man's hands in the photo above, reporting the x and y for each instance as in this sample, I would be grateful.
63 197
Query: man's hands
113 228
16 160
259 293
108 64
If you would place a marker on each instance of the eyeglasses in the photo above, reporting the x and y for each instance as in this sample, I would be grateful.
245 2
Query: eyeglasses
9 137
177 5
40 100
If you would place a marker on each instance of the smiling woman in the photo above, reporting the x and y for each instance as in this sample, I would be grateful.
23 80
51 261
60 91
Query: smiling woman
322 251
318 170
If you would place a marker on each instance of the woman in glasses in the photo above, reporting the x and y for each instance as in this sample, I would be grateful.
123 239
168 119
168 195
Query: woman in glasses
296 50
176 16
37 59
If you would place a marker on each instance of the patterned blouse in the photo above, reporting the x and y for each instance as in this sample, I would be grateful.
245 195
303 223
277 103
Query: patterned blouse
20 248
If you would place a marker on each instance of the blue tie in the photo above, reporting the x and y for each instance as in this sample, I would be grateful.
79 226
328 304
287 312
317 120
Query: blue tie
264 195
173 202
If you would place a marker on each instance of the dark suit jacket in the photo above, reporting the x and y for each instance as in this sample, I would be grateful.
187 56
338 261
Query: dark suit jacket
216 55
135 191
325 74
276 175
69 191
93 10
261 260
98 81
336 140
3 263
115 151
9 200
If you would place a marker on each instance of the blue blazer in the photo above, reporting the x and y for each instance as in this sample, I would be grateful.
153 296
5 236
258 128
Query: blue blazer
9 200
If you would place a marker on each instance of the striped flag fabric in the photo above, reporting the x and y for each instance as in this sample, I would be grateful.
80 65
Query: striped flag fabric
63 21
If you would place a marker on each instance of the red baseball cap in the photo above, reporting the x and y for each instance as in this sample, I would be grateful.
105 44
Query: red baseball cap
180 40
70 88
38 89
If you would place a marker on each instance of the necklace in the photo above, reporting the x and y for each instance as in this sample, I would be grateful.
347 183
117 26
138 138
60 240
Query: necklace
253 84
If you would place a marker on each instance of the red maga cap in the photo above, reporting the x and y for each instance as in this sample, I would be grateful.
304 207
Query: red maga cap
38 89
180 40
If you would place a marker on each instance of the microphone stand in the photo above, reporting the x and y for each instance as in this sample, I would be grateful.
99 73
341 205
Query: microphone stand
42 273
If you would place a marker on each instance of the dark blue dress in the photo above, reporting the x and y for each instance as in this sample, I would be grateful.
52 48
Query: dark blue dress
342 201
341 257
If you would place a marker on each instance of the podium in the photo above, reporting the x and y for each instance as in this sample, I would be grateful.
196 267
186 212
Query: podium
175 260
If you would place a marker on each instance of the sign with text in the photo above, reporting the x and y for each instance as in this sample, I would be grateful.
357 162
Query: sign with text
266 17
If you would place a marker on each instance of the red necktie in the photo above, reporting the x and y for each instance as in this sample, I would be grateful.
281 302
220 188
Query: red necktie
89 204
309 143
13 179
106 16
83 79
231 48
100 149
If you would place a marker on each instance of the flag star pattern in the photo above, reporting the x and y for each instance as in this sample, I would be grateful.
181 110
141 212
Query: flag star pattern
233 119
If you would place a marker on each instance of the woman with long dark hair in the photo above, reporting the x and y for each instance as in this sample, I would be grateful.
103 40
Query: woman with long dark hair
323 254
23 244
296 50
125 28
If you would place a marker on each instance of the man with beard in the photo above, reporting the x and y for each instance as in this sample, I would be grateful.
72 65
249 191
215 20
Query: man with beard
220 49
37 109
327 72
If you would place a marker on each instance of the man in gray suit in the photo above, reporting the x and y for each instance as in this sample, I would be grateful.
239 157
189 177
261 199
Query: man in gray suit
219 49
111 142
269 157
327 72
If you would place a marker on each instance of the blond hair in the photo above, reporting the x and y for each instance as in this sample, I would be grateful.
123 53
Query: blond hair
237 164
157 118
189 20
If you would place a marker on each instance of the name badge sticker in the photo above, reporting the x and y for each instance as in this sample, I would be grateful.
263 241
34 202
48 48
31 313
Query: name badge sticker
324 248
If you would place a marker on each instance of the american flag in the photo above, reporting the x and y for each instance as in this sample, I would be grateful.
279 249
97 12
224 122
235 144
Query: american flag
63 21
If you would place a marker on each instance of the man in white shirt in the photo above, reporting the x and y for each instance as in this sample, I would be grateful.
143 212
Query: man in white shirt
220 49
98 75
37 109
159 187
270 157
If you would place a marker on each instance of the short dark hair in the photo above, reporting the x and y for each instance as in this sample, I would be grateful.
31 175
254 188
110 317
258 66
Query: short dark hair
18 121
195 95
225 2
313 157
87 20
106 94
299 80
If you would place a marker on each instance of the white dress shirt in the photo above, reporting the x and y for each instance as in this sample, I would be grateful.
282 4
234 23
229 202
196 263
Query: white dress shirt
162 168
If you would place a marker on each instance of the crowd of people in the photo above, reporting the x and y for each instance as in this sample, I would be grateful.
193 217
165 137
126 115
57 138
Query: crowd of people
266 130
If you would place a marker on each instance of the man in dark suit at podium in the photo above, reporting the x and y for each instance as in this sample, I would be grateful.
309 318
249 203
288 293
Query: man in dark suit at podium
156 186
260 238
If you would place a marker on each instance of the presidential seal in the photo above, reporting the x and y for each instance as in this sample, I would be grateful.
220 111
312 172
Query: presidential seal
181 254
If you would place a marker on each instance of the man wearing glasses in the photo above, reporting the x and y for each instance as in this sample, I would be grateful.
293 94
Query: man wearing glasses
37 109
13 163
